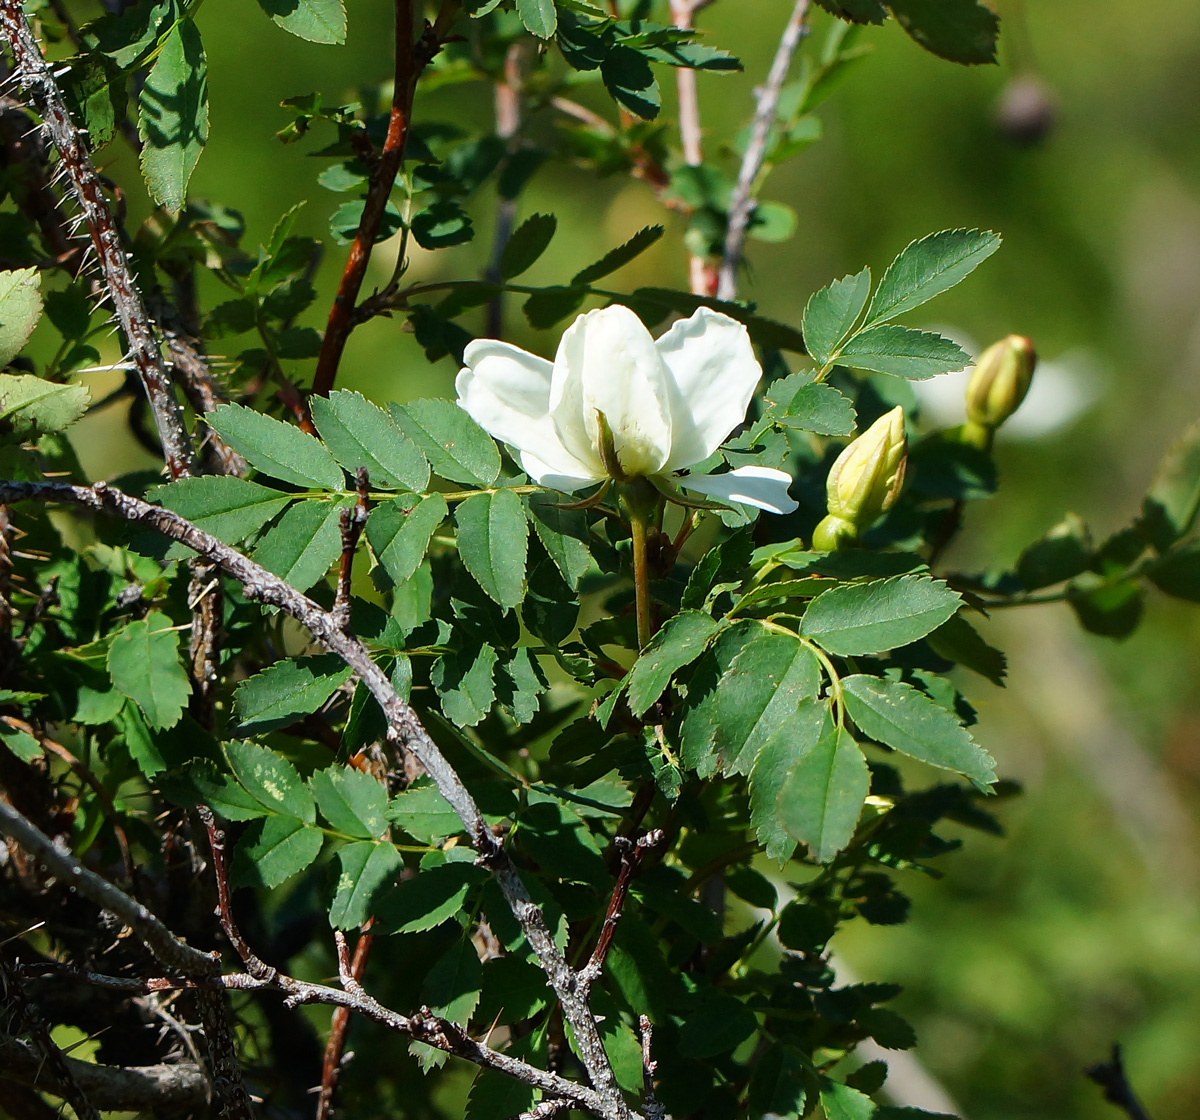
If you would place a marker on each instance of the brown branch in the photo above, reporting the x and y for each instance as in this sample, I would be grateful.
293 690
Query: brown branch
352 522
650 1102
53 1059
741 205
1110 1076
33 72
341 314
350 971
631 859
404 729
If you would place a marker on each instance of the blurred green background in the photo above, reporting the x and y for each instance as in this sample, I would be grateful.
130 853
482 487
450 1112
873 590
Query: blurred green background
1081 926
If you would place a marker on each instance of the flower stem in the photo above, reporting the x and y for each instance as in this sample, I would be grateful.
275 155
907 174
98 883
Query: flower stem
641 580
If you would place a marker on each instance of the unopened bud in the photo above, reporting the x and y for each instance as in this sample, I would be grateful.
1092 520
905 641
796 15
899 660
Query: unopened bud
864 481
998 386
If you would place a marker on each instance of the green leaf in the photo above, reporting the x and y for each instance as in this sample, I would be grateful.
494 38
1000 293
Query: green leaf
721 1023
318 21
424 814
280 848
840 1102
519 685
351 801
143 661
287 691
361 434
1110 609
538 16
775 760
497 1096
526 245
442 224
271 780
303 544
857 11
493 542
908 721
681 640
1177 573
759 692
22 744
564 535
823 794
399 537
620 256
229 508
457 448
1061 554
927 267
811 406
128 38
434 896
20 309
463 682
958 641
777 1084
452 987
959 30
915 355
863 618
832 312
30 406
277 449
547 306
1173 500
173 115
365 867
630 82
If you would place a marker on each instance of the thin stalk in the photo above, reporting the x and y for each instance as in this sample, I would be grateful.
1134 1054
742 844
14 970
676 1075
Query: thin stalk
641 579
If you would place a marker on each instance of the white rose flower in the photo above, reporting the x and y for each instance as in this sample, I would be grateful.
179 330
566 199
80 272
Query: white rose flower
616 404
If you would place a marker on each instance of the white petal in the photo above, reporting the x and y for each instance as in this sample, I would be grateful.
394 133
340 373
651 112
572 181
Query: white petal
546 475
712 364
608 363
763 487
506 391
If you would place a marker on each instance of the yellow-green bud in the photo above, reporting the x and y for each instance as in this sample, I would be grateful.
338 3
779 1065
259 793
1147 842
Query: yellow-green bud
998 386
864 481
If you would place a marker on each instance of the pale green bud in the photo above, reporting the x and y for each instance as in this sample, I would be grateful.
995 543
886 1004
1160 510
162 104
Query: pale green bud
864 481
998 384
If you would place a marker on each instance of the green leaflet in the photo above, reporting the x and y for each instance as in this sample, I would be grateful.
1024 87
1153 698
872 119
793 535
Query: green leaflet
959 30
20 309
915 355
564 535
538 16
271 780
29 405
620 256
771 769
457 448
365 867
811 406
1173 499
434 896
287 691
400 536
765 676
493 542
453 985
361 434
351 801
678 643
229 508
275 850
906 720
721 1023
318 21
424 814
173 115
823 794
831 313
927 267
526 245
277 449
841 1102
304 543
463 682
143 661
863 618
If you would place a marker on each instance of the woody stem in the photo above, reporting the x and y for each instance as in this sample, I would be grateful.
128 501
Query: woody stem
641 578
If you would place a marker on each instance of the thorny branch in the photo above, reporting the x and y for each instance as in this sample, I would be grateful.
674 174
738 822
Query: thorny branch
741 206
35 74
350 972
404 729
